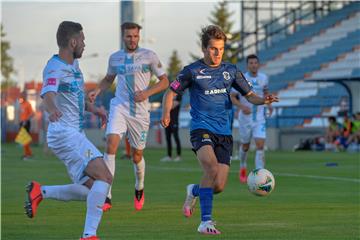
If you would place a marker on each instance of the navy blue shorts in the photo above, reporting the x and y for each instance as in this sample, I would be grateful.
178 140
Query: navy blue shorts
222 144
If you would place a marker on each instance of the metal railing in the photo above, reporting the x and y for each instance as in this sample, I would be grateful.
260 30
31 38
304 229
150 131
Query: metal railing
290 22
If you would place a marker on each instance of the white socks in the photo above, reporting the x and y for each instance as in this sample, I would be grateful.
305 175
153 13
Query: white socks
259 159
109 160
139 171
95 202
68 192
243 157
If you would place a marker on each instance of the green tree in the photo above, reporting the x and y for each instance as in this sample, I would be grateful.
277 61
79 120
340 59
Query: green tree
7 67
174 66
220 16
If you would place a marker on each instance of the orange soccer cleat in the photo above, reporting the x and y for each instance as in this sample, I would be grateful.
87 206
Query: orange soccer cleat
34 196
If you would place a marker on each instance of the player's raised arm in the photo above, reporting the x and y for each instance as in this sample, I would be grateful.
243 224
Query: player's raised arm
98 111
103 85
156 88
255 99
183 81
244 87
167 106
159 72
236 102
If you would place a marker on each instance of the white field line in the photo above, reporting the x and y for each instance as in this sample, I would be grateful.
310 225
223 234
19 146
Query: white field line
178 169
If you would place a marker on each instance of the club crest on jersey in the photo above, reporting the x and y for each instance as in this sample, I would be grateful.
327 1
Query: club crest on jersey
226 75
205 135
206 138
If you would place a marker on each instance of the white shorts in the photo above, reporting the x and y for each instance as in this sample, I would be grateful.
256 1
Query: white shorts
121 123
251 129
74 149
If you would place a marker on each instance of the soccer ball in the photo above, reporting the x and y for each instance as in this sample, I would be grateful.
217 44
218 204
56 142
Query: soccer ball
261 182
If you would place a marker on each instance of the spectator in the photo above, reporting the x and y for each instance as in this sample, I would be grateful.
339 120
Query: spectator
173 129
332 133
26 113
354 138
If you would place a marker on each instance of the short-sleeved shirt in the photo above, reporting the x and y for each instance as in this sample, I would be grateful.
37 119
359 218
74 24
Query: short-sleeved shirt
67 81
133 71
25 111
260 84
210 94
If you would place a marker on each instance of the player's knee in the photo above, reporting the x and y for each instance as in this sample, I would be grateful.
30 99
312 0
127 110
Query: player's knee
137 155
245 147
111 145
218 188
260 146
212 172
107 177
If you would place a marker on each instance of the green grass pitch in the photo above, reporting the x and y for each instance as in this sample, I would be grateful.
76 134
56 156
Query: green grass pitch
310 200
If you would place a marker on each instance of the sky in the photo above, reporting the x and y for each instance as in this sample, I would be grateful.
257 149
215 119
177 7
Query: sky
168 25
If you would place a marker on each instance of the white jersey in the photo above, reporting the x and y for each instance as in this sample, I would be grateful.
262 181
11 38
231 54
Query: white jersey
134 71
260 84
67 81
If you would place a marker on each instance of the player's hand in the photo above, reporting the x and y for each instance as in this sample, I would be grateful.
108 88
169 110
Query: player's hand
140 96
55 115
246 110
93 94
165 120
271 98
102 114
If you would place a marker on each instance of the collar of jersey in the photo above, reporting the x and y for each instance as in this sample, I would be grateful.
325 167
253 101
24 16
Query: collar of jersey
56 56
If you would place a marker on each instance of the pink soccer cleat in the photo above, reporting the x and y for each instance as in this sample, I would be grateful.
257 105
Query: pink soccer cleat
107 205
139 199
190 201
242 175
90 238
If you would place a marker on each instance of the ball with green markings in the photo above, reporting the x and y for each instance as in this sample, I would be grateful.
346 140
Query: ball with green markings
261 182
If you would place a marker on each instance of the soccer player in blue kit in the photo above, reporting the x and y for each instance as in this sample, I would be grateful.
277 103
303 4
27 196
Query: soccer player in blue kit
209 81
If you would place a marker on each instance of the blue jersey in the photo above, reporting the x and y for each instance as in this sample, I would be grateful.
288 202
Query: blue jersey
209 89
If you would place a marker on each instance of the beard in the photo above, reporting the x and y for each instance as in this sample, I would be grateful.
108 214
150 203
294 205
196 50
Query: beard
77 54
130 47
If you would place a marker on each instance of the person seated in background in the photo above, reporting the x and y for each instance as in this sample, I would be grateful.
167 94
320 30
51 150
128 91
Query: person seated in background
345 131
332 133
354 137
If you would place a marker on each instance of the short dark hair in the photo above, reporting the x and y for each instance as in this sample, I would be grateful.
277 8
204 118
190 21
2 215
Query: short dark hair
66 31
129 25
252 56
211 32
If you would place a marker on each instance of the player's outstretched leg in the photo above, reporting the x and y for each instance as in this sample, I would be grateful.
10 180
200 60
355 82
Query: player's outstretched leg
109 160
34 197
139 171
192 192
99 184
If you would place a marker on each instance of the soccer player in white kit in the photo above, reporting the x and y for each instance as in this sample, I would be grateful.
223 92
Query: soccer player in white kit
130 108
252 118
63 96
